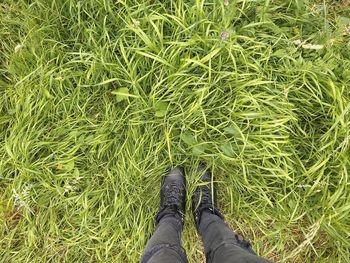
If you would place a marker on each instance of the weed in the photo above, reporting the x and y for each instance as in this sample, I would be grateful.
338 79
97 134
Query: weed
98 97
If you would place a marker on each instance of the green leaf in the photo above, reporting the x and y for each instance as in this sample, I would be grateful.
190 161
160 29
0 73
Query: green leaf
199 149
280 53
188 139
292 203
228 150
76 172
161 108
122 94
69 166
232 130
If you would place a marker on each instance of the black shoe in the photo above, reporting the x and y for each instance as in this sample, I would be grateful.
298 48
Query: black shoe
204 197
172 195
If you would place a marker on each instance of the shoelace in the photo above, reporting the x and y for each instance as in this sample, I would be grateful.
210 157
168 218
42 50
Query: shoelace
173 194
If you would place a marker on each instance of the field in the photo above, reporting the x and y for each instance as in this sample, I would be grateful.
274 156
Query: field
99 97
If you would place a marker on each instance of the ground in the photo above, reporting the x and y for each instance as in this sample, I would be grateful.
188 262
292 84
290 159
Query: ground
99 97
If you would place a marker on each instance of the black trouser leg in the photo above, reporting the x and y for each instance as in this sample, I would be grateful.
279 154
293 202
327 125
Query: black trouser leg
222 245
165 244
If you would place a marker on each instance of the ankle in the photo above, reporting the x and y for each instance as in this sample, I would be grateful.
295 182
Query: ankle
173 220
166 214
208 212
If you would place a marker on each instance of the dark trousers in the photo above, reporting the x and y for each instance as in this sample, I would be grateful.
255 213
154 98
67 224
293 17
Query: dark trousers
220 243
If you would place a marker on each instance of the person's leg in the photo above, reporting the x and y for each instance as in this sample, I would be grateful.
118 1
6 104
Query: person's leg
165 244
221 244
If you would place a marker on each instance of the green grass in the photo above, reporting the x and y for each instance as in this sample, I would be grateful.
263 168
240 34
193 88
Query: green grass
98 97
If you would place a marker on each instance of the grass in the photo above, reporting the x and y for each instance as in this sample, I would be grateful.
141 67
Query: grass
98 97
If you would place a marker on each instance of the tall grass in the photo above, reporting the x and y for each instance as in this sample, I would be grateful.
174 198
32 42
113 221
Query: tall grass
98 97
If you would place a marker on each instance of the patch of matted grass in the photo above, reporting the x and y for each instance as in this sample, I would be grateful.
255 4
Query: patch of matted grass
98 97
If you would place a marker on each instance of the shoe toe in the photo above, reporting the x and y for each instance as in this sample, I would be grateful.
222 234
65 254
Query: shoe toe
176 171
